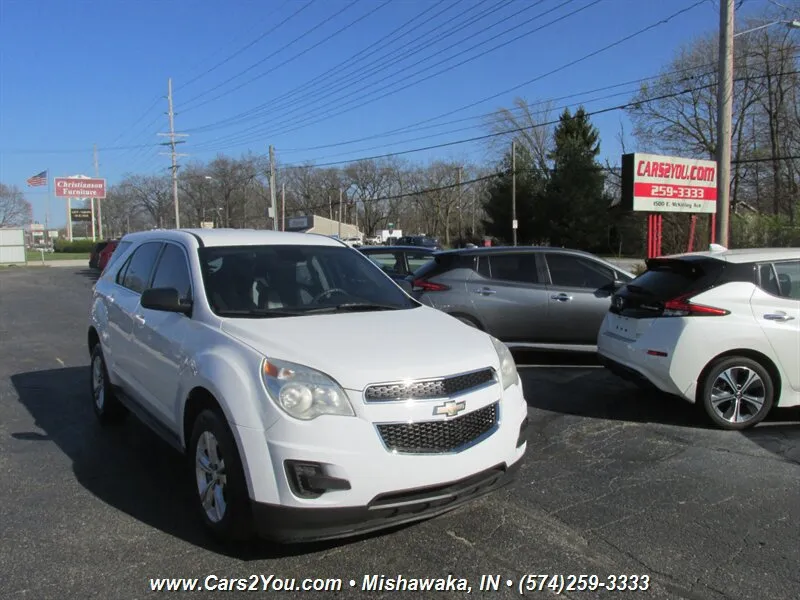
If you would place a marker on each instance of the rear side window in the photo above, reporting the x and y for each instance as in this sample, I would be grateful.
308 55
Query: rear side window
137 274
386 261
519 268
781 279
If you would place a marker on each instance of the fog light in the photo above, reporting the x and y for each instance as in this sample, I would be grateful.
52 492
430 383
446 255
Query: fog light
308 479
522 428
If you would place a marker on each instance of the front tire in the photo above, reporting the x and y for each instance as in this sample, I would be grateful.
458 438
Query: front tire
737 393
107 407
220 487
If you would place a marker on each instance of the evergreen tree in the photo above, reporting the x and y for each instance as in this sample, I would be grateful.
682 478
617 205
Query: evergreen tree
575 201
530 186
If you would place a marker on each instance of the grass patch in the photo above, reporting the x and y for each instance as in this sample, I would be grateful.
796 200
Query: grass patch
36 256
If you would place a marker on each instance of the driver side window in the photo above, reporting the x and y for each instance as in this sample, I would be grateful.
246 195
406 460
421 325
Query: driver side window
576 271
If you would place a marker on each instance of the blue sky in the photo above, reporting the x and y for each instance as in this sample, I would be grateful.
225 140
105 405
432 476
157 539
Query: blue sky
74 73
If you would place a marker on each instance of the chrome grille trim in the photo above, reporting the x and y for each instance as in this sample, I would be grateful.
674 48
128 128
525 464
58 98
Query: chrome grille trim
435 388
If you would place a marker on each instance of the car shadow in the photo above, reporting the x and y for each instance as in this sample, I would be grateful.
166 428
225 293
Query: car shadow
92 274
129 467
581 390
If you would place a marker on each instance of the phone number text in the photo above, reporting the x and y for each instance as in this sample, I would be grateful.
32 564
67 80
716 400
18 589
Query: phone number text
579 583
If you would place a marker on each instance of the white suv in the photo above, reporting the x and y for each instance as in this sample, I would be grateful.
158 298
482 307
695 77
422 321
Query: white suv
718 328
229 344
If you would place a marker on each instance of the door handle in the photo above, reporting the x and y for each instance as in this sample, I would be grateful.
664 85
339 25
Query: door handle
485 291
780 317
561 297
139 319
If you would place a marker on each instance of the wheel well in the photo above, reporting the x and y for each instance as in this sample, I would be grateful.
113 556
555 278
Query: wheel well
94 339
199 400
760 358
470 318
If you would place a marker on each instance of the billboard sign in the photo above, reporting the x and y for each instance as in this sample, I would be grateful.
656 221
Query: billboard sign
81 215
654 183
76 187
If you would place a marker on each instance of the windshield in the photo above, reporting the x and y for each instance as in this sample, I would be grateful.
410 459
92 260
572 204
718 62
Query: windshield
295 280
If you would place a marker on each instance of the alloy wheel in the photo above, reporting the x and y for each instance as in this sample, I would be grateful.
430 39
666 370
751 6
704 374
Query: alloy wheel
98 383
738 394
211 476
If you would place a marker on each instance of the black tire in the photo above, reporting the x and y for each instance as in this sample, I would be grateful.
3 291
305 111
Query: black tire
107 407
737 369
236 522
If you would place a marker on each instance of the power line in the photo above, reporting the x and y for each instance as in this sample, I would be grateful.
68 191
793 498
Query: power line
247 46
493 96
378 64
627 105
384 40
583 102
189 102
561 68
359 95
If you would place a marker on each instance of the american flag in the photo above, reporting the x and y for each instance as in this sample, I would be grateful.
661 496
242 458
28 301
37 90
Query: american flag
39 179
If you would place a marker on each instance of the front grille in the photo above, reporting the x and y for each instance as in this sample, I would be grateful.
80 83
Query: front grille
433 437
428 389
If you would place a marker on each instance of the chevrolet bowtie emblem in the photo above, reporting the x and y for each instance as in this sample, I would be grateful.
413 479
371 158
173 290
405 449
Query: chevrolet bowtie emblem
449 409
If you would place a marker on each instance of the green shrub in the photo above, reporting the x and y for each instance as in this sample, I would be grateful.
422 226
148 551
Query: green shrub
75 246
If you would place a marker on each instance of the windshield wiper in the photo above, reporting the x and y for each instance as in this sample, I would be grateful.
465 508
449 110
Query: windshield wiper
262 312
351 307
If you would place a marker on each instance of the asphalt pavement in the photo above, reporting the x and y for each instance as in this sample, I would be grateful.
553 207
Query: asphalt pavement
615 482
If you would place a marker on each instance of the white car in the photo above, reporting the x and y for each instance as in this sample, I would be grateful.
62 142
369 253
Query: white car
229 345
718 328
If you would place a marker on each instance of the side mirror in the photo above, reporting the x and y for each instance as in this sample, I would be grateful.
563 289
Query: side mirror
164 299
619 284
406 285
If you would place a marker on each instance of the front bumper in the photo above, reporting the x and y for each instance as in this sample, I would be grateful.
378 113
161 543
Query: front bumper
289 524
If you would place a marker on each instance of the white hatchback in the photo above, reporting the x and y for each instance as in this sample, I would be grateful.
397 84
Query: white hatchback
260 355
718 328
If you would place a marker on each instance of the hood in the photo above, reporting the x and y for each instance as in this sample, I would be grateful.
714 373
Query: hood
357 349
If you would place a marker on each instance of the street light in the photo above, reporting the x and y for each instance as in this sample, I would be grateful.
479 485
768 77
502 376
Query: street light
725 113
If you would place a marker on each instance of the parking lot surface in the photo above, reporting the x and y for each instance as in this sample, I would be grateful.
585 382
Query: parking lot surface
615 482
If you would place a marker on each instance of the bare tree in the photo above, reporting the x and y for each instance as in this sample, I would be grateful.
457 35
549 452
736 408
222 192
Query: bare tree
15 211
531 125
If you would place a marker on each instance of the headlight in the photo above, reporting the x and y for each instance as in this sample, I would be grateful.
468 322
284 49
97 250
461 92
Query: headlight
303 392
508 368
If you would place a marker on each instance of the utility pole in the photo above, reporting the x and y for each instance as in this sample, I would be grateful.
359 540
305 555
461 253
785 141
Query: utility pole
272 190
460 213
172 143
99 202
514 189
283 207
340 213
724 120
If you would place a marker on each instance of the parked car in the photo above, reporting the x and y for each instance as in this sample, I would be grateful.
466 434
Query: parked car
94 254
423 241
720 329
525 296
228 344
105 254
399 262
